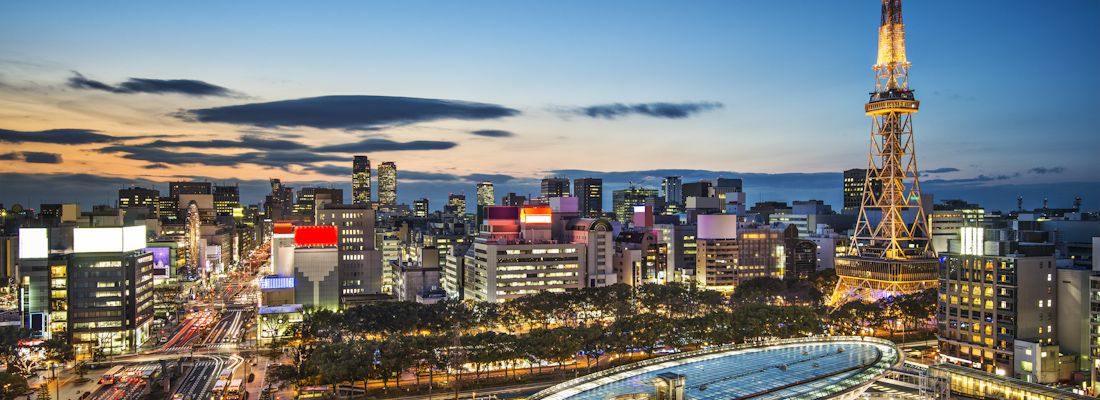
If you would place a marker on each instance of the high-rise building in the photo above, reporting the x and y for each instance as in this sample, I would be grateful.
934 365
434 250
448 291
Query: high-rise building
420 208
175 189
623 201
387 183
672 189
310 198
554 187
138 197
513 199
998 295
695 189
590 193
891 250
360 180
485 195
226 198
360 263
456 204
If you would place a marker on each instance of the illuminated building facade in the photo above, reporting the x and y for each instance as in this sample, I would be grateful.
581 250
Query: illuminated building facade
553 187
360 180
512 199
420 208
590 193
456 204
387 183
672 188
226 198
485 194
360 264
138 197
891 250
624 200
997 294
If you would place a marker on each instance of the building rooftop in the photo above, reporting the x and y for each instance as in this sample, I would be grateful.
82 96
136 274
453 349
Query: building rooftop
786 369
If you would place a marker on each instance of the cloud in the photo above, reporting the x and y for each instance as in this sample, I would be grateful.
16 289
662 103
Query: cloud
189 87
372 145
493 133
57 136
347 112
1045 170
943 170
425 176
977 179
656 110
245 142
495 178
157 166
33 157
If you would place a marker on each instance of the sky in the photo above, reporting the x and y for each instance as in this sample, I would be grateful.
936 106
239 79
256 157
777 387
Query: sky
95 96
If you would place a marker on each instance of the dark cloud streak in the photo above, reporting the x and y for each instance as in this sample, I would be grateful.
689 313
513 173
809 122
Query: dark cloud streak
656 110
189 87
347 112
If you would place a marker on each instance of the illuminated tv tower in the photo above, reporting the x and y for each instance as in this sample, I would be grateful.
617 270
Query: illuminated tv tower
890 252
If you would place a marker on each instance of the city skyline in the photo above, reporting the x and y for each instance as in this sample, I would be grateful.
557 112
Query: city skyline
675 83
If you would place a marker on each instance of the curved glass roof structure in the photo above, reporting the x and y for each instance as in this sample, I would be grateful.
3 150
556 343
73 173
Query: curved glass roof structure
804 368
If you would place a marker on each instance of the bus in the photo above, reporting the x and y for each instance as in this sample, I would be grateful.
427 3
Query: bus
219 389
236 391
111 375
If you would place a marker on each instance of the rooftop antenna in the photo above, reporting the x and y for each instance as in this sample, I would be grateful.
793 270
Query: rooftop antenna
1020 203
1045 203
1077 203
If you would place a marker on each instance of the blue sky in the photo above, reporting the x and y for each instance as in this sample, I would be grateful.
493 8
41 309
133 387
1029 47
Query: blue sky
1006 88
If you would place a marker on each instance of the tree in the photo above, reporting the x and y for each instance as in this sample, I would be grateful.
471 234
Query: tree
12 386
282 374
81 370
43 393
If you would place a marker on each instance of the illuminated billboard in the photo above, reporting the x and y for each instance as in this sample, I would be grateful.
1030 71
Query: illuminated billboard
276 282
34 243
535 215
717 226
162 260
107 240
315 236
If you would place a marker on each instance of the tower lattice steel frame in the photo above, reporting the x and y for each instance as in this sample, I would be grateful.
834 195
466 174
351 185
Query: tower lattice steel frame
890 251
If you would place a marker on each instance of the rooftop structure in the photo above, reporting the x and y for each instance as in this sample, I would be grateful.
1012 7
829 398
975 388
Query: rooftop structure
802 368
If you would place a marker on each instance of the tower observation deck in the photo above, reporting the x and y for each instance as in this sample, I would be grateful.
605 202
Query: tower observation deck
891 252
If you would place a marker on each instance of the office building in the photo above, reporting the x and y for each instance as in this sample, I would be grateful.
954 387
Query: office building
420 208
387 183
996 295
640 258
360 180
623 201
360 263
696 189
672 190
310 198
590 193
138 197
512 199
598 235
553 187
485 195
226 199
515 256
456 204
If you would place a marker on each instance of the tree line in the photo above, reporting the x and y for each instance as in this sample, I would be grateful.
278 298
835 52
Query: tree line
598 326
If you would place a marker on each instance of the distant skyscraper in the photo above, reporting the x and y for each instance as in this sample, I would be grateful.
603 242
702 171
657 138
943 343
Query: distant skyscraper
456 204
485 195
387 183
854 181
138 197
420 208
672 190
512 199
226 198
175 189
554 187
624 200
696 189
360 180
590 192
